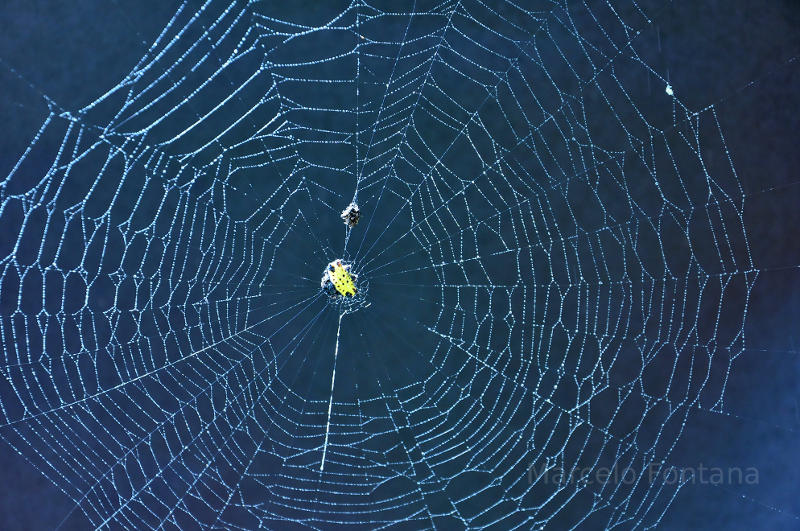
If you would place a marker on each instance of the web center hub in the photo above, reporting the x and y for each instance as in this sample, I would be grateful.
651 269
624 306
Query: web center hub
342 286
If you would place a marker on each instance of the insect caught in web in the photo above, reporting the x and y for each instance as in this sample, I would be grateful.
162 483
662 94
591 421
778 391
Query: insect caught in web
351 215
337 279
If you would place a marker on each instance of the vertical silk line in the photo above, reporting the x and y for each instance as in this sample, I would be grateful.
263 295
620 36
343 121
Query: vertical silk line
330 402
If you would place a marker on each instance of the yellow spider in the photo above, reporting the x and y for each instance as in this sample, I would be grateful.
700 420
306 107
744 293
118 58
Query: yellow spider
337 278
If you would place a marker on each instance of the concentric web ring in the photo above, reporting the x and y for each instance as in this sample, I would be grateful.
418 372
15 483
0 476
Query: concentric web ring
553 242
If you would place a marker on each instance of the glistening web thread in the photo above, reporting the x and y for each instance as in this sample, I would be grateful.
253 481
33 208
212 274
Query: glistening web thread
557 271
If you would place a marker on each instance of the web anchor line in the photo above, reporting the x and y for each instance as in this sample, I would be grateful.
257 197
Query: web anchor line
330 402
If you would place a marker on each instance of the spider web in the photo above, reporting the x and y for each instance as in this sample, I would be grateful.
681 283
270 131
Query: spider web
558 272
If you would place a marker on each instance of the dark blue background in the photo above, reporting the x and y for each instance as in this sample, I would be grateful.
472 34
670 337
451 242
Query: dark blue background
740 55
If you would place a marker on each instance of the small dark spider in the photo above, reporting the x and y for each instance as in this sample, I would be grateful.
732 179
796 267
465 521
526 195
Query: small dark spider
351 215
